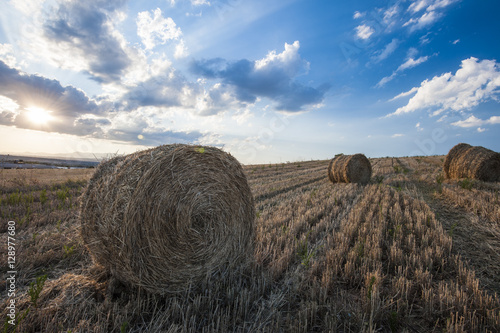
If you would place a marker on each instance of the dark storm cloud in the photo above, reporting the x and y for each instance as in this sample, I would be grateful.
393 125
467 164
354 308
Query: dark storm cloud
83 25
274 82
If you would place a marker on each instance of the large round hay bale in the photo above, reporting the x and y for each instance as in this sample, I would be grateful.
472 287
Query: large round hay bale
474 162
167 217
350 169
453 155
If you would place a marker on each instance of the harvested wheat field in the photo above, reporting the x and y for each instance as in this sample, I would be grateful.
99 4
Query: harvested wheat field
410 251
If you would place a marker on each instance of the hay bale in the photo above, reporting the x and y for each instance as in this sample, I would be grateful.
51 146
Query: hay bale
166 217
474 162
350 169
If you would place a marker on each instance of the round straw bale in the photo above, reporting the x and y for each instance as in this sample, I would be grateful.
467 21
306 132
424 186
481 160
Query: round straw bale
453 155
167 217
474 162
350 169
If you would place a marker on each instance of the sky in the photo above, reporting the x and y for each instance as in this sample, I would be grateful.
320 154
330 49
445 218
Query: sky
268 81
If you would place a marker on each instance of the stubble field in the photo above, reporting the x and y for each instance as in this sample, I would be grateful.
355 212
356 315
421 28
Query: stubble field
408 252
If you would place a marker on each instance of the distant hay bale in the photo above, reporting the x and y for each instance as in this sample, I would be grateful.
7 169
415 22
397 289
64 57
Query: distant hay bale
166 217
350 169
474 162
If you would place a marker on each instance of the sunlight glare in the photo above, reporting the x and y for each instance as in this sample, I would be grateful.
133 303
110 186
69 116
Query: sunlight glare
39 115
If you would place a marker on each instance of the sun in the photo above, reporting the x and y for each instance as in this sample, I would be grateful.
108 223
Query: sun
39 115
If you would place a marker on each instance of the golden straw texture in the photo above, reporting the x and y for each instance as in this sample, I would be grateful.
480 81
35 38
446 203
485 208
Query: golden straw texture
350 169
474 162
167 217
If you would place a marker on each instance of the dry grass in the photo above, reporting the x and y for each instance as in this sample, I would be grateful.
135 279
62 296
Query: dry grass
33 177
386 257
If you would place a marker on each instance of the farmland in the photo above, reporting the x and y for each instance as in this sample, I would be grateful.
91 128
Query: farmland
408 252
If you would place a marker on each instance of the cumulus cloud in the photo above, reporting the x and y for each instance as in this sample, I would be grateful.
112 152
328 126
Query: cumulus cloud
157 29
272 77
166 89
364 31
82 37
472 121
475 82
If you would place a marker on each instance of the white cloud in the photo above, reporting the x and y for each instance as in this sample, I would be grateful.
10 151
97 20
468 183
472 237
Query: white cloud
410 63
364 31
390 13
472 121
59 37
426 19
456 41
9 110
397 135
404 94
181 50
475 82
200 2
481 130
386 52
358 15
429 5
417 6
273 77
386 79
441 4
419 127
289 60
7 55
425 39
28 7
157 29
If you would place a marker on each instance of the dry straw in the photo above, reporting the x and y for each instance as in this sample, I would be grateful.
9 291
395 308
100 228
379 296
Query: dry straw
350 169
167 217
474 162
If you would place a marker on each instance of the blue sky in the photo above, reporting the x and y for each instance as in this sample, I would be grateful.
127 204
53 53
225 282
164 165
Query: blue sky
268 81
